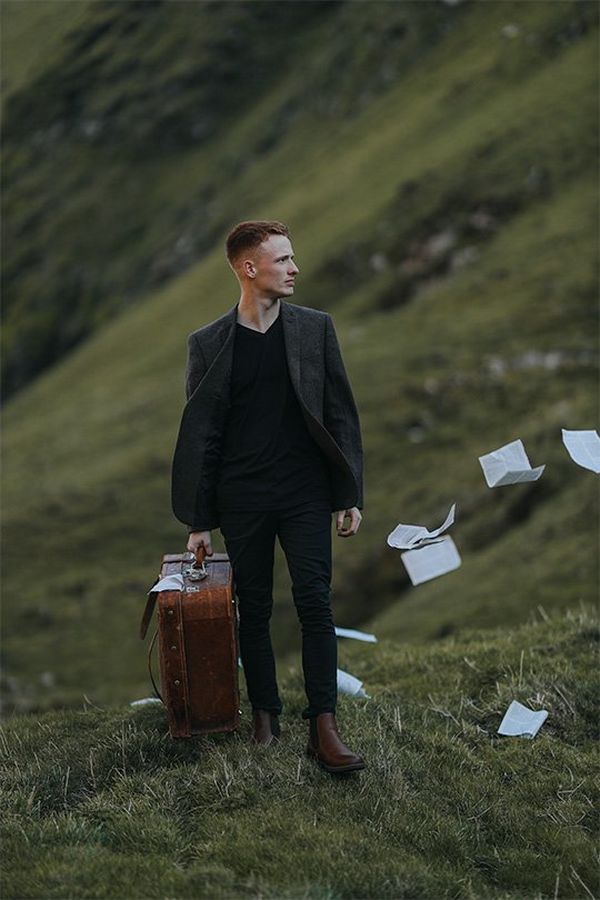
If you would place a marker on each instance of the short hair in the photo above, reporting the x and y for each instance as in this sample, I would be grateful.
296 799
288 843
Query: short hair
247 235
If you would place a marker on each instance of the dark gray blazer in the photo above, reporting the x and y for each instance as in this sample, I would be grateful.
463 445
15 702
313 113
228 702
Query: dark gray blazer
321 384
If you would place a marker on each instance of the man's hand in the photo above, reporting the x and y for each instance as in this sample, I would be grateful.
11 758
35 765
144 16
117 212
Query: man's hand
355 520
199 539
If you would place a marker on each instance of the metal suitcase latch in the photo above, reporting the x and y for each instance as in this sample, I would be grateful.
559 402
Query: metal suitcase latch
193 571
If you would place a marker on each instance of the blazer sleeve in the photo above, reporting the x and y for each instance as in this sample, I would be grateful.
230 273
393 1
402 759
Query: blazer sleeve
340 415
196 365
195 371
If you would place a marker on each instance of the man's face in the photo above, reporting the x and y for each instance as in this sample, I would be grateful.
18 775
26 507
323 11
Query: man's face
273 267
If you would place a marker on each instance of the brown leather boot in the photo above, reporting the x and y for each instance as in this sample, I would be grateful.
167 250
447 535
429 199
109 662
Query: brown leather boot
266 727
326 747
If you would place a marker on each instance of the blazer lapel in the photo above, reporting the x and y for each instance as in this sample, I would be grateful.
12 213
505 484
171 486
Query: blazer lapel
220 344
291 338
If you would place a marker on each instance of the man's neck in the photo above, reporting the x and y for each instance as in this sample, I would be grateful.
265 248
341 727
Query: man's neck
258 314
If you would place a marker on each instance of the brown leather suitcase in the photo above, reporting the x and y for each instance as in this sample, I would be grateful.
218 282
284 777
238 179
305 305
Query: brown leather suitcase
198 646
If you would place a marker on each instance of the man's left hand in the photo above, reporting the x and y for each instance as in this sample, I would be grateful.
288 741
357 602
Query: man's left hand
355 518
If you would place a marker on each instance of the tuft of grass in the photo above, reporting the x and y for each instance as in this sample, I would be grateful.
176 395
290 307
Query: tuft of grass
446 807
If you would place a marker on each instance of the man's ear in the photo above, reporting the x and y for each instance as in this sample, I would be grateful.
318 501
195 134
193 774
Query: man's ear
248 268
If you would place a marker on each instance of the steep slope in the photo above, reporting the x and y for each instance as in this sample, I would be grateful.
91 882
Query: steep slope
439 225
119 156
32 38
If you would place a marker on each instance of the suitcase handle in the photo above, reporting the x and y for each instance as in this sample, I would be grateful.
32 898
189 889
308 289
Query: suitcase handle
197 570
200 556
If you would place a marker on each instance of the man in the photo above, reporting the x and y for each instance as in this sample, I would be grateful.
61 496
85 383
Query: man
270 444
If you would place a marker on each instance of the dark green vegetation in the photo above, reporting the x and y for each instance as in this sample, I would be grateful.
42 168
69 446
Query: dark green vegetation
446 807
438 168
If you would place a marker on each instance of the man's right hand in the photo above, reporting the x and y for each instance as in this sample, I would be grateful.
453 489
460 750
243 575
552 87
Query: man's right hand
199 539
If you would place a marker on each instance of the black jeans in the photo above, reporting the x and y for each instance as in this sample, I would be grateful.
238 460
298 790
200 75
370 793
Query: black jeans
304 533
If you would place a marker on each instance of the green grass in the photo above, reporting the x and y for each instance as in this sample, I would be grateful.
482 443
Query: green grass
446 807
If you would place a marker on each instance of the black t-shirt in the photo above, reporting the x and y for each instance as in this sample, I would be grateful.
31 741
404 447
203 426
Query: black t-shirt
269 459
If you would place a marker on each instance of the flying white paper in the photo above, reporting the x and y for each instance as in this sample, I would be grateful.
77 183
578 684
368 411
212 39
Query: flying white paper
407 537
357 635
508 465
168 583
519 721
349 684
431 560
583 448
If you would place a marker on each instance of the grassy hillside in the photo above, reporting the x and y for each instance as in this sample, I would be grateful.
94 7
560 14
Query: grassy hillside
100 203
448 222
446 807
32 38
127 124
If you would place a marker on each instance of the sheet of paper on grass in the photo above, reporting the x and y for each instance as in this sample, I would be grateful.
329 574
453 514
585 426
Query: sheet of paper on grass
583 448
519 721
349 684
508 465
146 701
357 635
407 537
432 560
